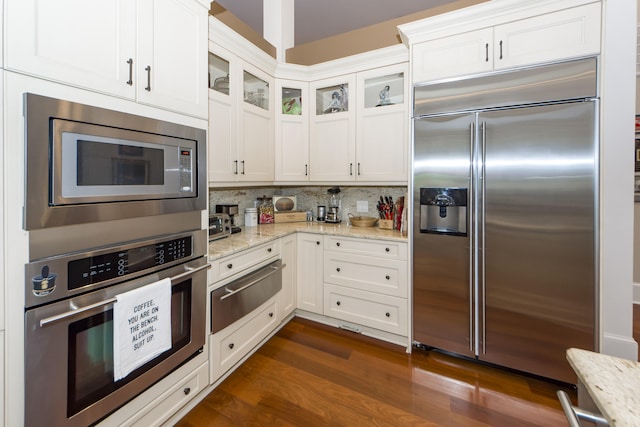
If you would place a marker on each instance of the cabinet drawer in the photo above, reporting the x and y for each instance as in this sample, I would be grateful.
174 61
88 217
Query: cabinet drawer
383 276
380 248
232 343
175 398
228 266
377 311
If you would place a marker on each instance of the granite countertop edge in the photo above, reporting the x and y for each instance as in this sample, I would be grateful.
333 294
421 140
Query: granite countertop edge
612 384
254 236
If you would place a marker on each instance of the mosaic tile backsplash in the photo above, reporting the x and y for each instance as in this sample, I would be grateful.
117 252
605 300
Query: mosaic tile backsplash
307 198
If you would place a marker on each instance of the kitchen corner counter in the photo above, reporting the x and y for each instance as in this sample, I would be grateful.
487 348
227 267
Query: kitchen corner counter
612 384
253 236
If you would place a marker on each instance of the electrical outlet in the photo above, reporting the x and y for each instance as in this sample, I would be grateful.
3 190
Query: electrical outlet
362 206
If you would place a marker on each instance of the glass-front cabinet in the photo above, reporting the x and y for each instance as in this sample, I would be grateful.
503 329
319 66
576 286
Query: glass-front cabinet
218 74
256 91
292 131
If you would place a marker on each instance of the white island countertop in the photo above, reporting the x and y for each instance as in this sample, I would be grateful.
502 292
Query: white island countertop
612 383
253 236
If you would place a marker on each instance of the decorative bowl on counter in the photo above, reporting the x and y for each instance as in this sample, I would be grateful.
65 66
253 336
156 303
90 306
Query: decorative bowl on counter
363 221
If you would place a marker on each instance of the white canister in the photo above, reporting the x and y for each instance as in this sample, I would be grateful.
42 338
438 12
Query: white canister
251 217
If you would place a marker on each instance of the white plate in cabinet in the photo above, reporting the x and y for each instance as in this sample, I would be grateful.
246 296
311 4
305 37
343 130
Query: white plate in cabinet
236 340
383 276
382 312
174 398
371 247
230 265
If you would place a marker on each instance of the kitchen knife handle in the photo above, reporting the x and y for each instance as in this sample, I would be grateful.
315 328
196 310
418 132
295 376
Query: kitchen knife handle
130 81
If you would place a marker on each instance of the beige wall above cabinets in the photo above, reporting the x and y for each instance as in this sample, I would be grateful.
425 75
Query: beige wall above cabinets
152 51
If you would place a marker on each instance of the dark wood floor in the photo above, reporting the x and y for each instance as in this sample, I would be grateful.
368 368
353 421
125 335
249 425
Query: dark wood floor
313 375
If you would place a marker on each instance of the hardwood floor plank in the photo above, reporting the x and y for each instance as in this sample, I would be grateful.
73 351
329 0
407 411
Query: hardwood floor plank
315 375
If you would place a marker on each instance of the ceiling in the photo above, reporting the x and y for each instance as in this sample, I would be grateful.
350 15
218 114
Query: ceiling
318 19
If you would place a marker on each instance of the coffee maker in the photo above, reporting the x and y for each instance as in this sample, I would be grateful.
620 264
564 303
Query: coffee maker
230 210
334 205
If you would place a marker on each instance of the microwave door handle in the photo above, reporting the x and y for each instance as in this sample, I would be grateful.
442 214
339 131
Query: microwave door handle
48 320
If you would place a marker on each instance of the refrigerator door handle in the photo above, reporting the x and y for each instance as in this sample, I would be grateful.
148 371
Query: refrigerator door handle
483 204
470 202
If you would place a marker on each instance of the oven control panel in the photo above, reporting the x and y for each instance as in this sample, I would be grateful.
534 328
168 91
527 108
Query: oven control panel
98 268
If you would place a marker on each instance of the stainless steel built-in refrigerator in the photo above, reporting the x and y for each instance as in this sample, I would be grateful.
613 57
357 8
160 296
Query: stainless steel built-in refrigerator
505 210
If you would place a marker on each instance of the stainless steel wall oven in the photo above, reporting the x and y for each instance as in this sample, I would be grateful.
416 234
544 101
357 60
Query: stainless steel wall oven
114 207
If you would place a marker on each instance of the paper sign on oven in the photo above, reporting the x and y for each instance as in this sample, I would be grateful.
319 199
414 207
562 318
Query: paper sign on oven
141 326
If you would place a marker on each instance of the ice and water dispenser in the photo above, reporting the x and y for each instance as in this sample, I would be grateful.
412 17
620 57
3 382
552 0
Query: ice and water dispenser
443 211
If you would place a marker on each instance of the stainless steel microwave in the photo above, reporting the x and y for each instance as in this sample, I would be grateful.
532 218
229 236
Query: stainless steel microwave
87 164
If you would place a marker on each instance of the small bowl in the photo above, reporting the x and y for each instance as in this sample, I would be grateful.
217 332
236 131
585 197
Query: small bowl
362 221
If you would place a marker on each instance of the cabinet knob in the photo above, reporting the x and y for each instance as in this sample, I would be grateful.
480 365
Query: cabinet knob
387 314
387 250
229 266
270 314
269 250
317 242
387 277
337 243
187 390
231 345
337 302
338 269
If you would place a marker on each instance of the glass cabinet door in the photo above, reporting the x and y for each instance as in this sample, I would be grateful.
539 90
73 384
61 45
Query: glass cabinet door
332 99
383 91
218 74
256 91
292 101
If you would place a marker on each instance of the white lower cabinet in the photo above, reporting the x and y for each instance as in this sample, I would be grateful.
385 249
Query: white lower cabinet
287 296
235 341
309 275
172 400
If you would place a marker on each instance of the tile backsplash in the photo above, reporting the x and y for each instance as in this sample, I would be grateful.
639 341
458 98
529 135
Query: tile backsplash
307 198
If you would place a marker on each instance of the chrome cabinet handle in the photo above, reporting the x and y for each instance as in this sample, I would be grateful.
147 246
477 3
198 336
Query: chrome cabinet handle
71 313
148 70
253 282
130 81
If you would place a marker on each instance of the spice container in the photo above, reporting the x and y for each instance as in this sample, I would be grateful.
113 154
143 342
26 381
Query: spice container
250 217
265 210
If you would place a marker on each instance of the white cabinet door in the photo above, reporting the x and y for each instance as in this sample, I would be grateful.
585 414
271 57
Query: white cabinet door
256 145
455 55
86 43
223 147
292 131
287 296
172 55
382 124
333 130
564 34
309 274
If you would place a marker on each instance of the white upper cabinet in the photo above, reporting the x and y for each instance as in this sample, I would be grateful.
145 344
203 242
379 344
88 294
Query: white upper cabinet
382 122
292 131
555 35
151 51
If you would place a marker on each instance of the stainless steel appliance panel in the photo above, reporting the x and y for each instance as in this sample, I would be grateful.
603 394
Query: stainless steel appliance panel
539 236
442 286
234 300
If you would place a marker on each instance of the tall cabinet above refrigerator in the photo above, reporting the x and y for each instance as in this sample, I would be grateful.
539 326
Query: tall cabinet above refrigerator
505 192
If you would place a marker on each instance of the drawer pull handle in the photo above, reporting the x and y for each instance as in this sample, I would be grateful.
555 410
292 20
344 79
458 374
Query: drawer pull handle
270 314
337 243
387 250
338 269
187 390
337 302
231 345
229 266
269 250
387 314
387 277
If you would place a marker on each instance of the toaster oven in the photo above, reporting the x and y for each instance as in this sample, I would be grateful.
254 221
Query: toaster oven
219 226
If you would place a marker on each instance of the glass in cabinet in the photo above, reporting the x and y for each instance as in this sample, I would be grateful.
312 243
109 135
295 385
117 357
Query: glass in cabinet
384 90
332 99
292 101
256 91
218 74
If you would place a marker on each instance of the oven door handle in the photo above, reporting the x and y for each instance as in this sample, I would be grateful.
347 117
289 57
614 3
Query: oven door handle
231 292
49 320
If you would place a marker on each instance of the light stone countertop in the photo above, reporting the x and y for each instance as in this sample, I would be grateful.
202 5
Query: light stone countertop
253 236
613 385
